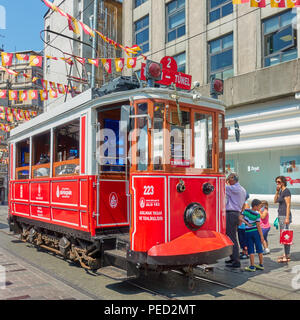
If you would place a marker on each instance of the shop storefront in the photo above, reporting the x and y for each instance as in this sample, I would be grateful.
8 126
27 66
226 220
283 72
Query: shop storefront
269 147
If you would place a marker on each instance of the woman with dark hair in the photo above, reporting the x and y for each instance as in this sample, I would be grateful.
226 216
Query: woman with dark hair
283 198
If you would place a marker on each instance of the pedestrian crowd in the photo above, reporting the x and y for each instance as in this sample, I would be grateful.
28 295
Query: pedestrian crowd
248 225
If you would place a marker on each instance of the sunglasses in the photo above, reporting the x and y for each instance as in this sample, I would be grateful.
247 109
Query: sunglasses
278 182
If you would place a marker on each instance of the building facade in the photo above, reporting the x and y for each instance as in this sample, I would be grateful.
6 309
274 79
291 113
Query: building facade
17 83
255 51
109 22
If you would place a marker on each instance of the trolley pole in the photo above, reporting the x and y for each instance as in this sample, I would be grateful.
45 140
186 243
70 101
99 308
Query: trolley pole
95 24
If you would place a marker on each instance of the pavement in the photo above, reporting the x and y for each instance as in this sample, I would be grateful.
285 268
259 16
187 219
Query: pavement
21 280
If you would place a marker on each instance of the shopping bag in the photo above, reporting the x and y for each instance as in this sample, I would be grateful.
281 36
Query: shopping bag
286 237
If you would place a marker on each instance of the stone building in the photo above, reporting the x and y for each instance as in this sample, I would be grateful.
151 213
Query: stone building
18 83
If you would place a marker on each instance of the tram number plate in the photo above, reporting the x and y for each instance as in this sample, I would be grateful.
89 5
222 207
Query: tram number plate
148 190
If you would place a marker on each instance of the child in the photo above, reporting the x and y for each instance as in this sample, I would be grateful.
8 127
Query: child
242 233
265 225
254 234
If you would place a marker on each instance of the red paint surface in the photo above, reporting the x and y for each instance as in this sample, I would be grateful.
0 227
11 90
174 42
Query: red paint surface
144 234
113 204
192 242
67 201
148 226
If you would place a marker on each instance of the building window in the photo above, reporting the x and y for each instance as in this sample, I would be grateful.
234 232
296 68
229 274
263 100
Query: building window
221 57
175 19
137 3
142 33
280 39
218 9
180 59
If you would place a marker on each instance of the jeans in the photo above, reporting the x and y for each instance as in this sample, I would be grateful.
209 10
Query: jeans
232 223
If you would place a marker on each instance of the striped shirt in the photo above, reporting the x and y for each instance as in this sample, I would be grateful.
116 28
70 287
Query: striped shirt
252 217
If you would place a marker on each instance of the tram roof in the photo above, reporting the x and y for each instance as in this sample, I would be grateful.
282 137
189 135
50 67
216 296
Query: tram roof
89 99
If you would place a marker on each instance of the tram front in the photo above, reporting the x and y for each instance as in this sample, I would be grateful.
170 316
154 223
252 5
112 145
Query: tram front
177 180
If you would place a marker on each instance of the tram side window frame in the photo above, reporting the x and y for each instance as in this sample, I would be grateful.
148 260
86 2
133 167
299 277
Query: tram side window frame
22 167
41 155
66 158
209 135
222 136
142 127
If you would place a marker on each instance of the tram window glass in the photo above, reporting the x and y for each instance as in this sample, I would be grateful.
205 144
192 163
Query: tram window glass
158 138
221 144
41 155
142 126
180 138
22 159
113 147
66 149
203 137
113 127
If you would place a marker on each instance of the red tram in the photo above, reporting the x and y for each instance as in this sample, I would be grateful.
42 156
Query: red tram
127 180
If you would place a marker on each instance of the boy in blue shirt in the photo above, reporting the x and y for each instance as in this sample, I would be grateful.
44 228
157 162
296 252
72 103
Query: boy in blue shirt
254 234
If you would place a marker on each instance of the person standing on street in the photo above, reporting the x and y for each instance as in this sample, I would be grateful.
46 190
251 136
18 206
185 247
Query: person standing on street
283 197
235 201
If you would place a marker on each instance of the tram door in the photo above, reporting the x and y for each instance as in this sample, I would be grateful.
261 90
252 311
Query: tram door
113 172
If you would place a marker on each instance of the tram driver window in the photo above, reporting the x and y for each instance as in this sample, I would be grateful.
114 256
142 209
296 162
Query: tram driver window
203 135
22 159
66 149
142 126
180 137
41 155
158 137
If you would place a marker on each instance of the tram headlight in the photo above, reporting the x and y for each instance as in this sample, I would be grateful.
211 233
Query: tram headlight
194 216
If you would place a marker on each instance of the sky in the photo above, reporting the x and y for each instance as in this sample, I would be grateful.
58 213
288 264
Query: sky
21 22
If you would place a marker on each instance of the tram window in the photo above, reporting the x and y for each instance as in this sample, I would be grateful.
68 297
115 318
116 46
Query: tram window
41 155
113 147
203 135
158 138
66 149
180 138
142 126
221 144
114 124
22 159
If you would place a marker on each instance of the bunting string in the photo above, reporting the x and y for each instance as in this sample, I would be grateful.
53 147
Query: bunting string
36 61
274 3
13 115
73 24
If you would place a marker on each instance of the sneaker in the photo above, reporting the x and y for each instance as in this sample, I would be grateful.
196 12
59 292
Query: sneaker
235 265
250 268
266 251
244 256
228 261
259 266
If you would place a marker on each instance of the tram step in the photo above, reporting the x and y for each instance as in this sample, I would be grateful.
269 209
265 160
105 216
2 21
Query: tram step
115 258
122 244
115 273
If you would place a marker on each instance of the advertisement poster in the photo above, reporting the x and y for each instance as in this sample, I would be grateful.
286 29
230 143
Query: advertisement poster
290 168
